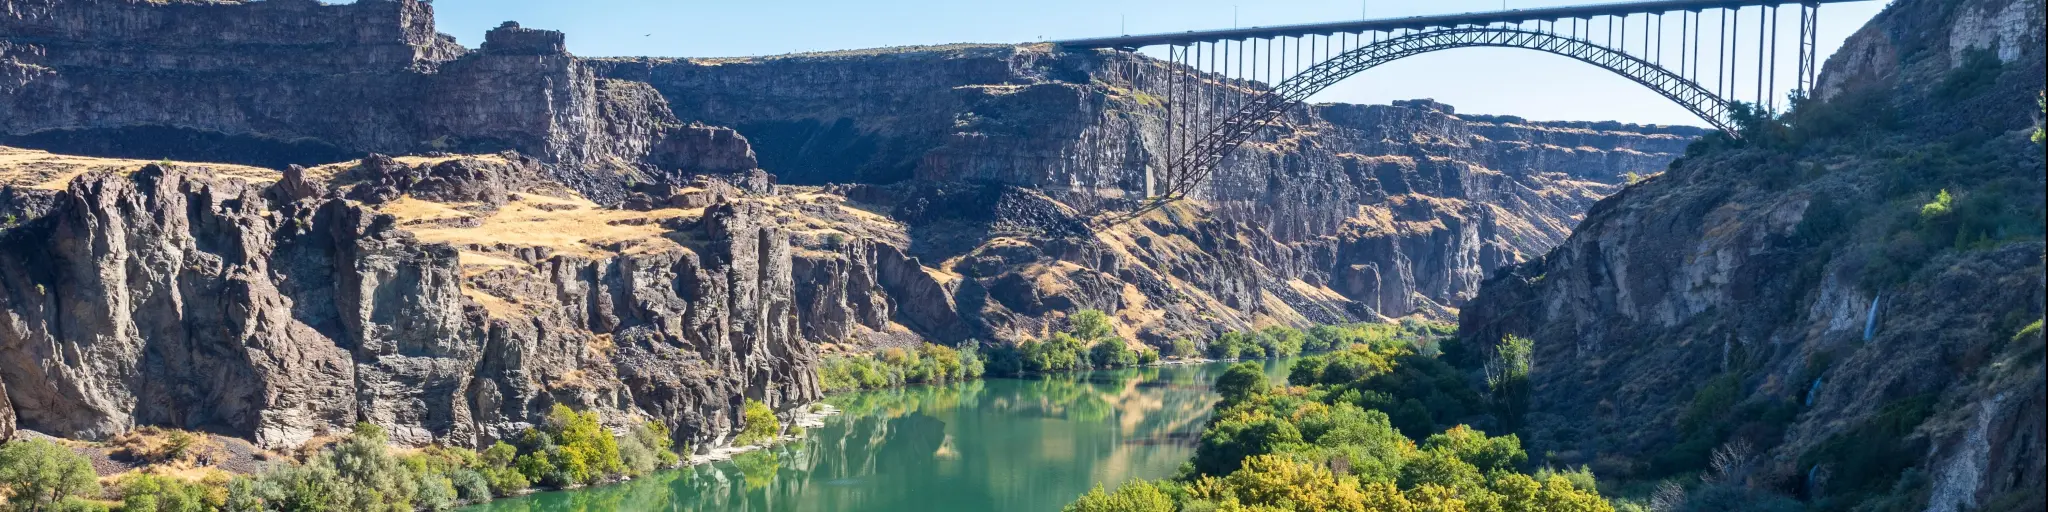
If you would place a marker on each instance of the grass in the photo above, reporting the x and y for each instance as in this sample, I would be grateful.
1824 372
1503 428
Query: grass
49 171
571 225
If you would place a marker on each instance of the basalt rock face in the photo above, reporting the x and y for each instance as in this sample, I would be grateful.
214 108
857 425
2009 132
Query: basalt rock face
300 82
1829 309
282 310
1397 209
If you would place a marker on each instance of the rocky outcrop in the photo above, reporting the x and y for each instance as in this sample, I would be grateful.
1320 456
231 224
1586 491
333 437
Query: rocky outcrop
300 82
285 310
1843 315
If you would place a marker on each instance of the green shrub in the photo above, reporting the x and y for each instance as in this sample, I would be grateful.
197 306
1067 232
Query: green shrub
1111 353
646 447
1059 353
1241 382
1148 355
928 364
1282 341
143 492
758 424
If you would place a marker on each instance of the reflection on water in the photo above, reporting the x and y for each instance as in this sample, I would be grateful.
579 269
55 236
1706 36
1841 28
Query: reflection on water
999 445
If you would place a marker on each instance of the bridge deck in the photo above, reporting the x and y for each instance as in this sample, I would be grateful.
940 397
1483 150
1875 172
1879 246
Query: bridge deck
1424 22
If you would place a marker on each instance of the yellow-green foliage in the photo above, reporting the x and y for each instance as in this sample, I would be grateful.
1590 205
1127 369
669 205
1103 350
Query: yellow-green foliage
1129 498
1331 444
1091 325
2042 100
1943 205
588 453
928 364
363 473
1148 99
758 424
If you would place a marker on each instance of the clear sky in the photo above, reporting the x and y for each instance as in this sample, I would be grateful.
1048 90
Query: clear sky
1478 80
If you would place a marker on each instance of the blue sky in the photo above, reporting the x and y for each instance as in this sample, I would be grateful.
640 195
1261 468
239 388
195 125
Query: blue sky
1491 81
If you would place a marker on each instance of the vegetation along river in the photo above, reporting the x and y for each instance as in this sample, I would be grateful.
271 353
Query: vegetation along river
995 444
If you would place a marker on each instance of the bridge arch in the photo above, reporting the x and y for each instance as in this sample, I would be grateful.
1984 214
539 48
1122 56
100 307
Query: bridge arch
1191 167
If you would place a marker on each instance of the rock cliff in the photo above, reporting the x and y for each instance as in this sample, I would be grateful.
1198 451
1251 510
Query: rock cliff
1381 210
451 300
1837 311
274 83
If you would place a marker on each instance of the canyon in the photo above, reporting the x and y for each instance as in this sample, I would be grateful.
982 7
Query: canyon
205 233
269 221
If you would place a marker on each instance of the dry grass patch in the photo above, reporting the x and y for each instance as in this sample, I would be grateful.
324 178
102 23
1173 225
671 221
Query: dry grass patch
49 171
493 305
571 225
165 446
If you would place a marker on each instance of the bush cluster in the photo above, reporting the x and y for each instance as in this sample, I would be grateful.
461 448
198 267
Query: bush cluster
891 367
1089 343
1282 341
1334 440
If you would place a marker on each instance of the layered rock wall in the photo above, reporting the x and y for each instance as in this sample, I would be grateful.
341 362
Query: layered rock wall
279 311
1398 208
299 82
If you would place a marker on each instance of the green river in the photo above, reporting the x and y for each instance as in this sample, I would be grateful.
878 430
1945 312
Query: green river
994 445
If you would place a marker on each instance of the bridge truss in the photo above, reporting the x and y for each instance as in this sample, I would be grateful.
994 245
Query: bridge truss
1221 88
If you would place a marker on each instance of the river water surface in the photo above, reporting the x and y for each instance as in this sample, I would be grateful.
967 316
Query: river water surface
1027 445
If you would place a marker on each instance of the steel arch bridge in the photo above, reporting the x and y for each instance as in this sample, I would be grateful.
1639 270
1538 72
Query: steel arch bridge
1224 86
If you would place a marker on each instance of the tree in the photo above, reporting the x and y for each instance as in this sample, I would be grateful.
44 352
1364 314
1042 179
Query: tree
1507 377
589 452
1241 381
1282 341
1227 444
1111 353
39 474
1488 454
1091 325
